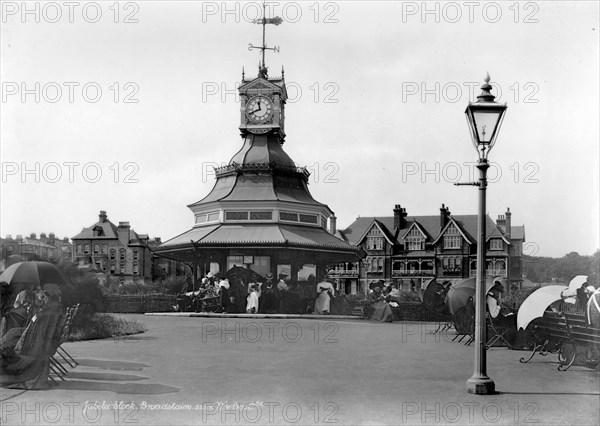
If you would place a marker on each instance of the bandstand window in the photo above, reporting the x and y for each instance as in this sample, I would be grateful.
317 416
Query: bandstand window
261 215
214 268
290 217
207 217
236 215
306 270
235 261
284 269
261 265
308 218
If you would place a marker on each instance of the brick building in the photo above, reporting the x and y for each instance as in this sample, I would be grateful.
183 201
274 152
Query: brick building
412 250
33 248
116 250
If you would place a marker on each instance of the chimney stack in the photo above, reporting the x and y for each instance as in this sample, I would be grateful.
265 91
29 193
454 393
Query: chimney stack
9 236
123 232
66 239
33 236
332 224
444 216
397 216
51 237
19 237
501 222
403 215
43 236
508 222
102 216
157 240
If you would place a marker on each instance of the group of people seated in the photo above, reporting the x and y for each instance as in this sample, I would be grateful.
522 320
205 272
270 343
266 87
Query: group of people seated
383 297
269 296
29 334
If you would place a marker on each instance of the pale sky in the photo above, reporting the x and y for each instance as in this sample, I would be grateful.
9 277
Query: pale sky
376 111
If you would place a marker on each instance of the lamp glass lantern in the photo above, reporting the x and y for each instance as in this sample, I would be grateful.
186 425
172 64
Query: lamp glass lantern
484 118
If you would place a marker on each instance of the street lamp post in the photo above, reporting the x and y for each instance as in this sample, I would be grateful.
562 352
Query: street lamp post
484 118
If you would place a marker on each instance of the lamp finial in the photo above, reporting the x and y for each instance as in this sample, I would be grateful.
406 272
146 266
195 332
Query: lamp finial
485 95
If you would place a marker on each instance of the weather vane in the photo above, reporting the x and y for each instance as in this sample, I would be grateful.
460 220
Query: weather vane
262 69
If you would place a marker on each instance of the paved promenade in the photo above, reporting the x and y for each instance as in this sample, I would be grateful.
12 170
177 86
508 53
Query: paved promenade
215 370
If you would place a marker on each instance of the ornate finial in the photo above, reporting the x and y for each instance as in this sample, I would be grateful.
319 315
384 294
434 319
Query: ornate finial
243 73
262 71
282 72
485 95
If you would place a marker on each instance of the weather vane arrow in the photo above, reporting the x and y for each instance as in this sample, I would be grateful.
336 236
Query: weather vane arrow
264 21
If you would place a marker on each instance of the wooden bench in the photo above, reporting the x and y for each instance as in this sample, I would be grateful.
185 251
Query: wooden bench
549 333
568 335
584 346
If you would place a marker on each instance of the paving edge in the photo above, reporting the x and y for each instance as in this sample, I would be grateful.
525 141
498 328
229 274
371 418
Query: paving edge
280 316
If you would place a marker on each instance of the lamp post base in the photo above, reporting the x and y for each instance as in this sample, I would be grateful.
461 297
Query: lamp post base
481 386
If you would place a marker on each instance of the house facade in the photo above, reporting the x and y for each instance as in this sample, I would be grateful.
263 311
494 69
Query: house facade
46 247
117 251
412 250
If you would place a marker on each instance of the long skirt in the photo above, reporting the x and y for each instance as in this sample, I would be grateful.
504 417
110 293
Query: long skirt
322 303
252 304
382 312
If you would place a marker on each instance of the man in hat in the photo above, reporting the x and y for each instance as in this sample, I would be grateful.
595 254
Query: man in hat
493 299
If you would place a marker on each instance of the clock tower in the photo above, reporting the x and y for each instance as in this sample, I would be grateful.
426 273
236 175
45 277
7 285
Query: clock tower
260 216
262 108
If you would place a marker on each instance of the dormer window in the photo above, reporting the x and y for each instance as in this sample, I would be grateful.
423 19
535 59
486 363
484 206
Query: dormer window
496 244
452 238
375 239
98 231
415 240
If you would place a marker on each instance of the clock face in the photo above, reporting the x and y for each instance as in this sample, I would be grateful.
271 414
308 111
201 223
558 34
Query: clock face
259 109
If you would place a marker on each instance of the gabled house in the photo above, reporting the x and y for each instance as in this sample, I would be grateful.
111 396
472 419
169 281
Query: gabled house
412 250
115 250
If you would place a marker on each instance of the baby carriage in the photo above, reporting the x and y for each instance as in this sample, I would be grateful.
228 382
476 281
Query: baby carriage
210 301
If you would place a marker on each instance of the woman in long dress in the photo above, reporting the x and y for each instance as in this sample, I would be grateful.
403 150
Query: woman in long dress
252 299
325 291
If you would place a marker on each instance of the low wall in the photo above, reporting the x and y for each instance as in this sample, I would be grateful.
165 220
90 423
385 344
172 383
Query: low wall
140 304
418 312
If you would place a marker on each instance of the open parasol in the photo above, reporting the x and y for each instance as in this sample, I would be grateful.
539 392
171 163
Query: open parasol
459 292
536 304
33 273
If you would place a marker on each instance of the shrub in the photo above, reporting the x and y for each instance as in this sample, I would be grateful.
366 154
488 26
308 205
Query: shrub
101 326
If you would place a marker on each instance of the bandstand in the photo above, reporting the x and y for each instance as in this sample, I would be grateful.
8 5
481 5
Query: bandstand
260 214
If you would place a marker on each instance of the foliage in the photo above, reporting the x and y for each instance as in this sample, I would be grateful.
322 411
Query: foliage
172 285
516 299
89 326
547 269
